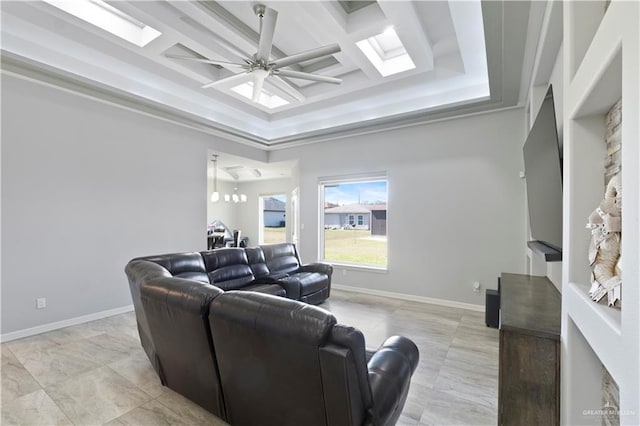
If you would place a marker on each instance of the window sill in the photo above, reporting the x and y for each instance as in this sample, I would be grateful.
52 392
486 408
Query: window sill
361 268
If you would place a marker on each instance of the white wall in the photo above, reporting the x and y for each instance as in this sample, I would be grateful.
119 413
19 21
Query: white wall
87 186
456 202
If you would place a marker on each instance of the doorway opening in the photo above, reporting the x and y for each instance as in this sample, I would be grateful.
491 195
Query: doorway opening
272 218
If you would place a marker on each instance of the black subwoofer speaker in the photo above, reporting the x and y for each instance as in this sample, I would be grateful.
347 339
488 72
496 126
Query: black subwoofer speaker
492 308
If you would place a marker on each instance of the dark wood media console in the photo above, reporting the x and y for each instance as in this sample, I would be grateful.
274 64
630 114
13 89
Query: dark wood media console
529 364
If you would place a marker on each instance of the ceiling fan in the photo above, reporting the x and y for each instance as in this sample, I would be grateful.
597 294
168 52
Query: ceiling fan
261 67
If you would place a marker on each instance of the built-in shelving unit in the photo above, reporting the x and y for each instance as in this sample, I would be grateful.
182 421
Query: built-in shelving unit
601 65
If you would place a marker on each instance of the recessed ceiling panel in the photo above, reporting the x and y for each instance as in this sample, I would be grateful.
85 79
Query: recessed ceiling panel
444 41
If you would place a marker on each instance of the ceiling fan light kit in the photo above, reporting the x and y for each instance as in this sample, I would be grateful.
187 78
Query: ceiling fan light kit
261 67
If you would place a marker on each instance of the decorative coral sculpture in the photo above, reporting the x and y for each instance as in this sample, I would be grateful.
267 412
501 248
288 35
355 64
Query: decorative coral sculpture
604 250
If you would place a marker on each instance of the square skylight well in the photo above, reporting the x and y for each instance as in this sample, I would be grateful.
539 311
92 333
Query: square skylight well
107 17
387 53
267 98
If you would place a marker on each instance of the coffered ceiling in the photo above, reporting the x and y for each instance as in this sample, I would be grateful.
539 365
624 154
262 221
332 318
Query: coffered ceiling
467 57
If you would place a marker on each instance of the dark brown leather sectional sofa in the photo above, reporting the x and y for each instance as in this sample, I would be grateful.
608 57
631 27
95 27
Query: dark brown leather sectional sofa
253 358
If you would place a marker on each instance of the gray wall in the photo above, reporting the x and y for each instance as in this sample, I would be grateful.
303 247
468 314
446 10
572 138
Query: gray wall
456 202
86 186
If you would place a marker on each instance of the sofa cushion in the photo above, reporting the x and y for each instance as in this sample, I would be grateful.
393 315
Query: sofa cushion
228 268
257 262
281 258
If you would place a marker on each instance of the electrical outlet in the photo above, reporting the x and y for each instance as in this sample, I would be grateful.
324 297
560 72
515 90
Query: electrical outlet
476 286
41 303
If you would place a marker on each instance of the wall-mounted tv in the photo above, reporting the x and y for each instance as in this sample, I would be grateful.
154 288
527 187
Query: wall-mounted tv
543 174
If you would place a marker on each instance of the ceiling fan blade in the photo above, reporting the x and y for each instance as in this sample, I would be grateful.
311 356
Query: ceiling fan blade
306 56
258 82
267 29
209 61
226 80
307 76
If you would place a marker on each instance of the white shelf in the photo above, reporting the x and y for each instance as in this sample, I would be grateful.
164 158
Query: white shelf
598 323
596 85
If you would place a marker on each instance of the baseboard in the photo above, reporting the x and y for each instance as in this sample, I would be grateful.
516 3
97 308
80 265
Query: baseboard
62 324
410 297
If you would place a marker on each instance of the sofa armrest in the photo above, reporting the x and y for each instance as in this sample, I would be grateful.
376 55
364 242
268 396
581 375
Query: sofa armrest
390 371
290 286
323 268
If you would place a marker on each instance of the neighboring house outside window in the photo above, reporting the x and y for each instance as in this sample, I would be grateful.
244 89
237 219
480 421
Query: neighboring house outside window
274 212
354 222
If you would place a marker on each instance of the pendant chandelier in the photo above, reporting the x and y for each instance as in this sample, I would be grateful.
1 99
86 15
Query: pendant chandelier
215 195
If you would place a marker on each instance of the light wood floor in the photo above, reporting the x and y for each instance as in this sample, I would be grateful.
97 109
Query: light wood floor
96 373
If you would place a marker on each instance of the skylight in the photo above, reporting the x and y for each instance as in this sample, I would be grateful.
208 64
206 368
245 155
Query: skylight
267 98
387 53
107 17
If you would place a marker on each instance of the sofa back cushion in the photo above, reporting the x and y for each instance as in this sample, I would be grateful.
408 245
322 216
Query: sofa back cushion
228 268
281 258
257 262
268 358
181 265
177 311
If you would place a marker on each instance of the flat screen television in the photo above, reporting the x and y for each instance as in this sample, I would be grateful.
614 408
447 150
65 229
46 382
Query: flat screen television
543 174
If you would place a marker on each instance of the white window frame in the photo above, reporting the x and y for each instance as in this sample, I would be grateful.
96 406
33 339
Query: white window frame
333 180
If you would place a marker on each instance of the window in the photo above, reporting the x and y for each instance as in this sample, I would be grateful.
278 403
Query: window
267 98
353 216
386 52
109 18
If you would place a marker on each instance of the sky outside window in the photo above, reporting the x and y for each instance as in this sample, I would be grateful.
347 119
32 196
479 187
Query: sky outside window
356 193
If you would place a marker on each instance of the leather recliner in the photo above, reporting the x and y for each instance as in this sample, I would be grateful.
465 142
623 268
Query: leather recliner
283 362
177 311
309 283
